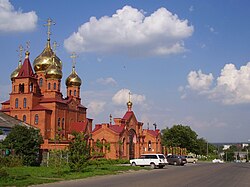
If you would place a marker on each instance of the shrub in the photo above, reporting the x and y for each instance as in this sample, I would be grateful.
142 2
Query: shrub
79 152
11 161
3 173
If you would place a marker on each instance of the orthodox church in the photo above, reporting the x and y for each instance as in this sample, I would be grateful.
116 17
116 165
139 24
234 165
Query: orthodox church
126 138
36 99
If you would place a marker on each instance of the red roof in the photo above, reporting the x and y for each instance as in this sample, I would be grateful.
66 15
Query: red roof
81 106
26 69
97 127
153 132
117 128
6 102
39 107
128 115
50 100
78 127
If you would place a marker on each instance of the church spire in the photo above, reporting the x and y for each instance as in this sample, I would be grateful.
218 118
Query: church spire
129 103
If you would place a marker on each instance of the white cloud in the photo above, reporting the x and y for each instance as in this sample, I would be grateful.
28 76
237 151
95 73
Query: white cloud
122 97
199 81
14 21
96 107
107 81
129 31
232 86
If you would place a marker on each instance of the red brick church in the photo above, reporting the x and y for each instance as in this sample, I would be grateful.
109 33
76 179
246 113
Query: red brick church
126 137
36 99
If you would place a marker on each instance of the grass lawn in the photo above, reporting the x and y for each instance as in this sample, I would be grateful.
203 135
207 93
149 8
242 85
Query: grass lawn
25 176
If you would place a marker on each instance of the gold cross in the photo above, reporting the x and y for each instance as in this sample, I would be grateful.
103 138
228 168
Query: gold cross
73 56
27 45
20 52
54 46
49 23
129 96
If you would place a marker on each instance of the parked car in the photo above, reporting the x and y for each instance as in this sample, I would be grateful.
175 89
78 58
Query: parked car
217 161
191 159
152 160
176 160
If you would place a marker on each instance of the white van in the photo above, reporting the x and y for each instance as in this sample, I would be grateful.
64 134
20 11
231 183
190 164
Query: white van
152 160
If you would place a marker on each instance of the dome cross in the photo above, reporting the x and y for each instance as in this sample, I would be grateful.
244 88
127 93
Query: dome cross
50 22
55 45
20 53
74 56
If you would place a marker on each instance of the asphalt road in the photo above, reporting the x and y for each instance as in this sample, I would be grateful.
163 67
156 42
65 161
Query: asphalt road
191 175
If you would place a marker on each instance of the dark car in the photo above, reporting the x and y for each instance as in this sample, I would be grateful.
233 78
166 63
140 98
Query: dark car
176 160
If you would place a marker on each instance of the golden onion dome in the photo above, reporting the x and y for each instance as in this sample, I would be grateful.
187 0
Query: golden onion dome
16 71
129 104
73 79
53 72
45 59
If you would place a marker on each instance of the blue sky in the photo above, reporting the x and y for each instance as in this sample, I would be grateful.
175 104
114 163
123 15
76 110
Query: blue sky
185 62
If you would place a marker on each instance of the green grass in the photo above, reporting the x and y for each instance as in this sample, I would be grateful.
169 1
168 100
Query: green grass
25 176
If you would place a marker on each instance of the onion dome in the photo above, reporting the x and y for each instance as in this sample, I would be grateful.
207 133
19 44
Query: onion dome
45 59
73 79
129 105
15 73
53 72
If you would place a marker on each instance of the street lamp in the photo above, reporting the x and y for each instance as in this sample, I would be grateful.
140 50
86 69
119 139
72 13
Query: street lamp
247 149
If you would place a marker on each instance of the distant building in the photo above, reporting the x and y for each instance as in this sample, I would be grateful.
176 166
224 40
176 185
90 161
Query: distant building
225 147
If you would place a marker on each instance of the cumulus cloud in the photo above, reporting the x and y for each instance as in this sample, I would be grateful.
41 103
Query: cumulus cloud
232 86
199 81
96 107
15 21
129 31
107 81
122 97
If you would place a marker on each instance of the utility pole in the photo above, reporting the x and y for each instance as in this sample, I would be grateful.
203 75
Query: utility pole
207 148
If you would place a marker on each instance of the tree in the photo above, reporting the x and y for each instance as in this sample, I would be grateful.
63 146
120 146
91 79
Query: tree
79 152
180 136
26 143
229 155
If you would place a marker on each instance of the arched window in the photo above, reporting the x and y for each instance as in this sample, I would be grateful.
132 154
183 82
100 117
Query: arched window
74 92
63 124
16 103
24 118
70 92
15 116
24 102
36 119
49 86
21 88
31 87
58 122
54 86
41 82
149 146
